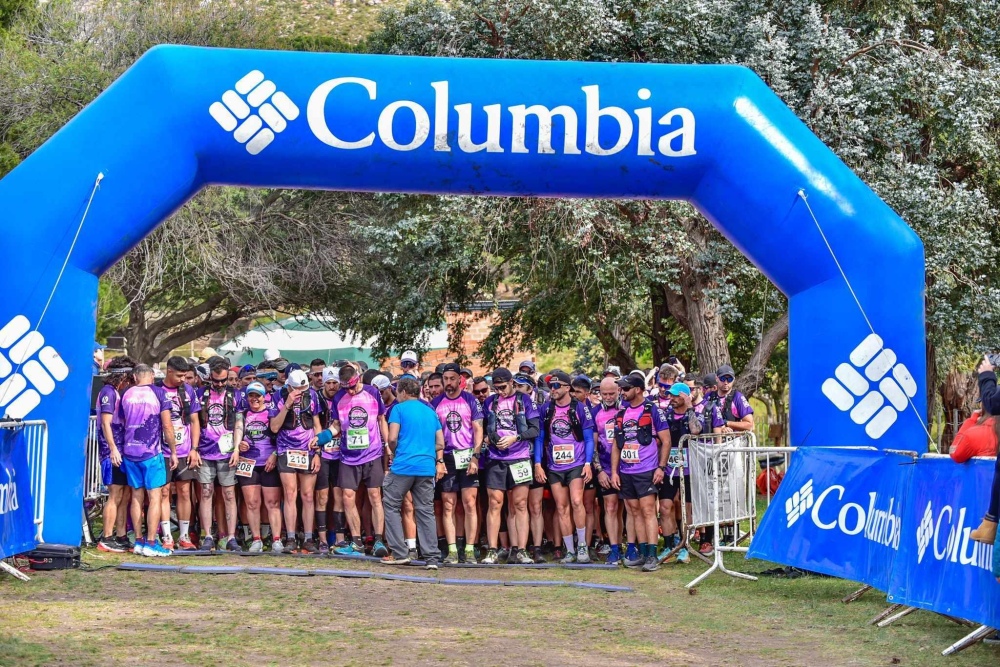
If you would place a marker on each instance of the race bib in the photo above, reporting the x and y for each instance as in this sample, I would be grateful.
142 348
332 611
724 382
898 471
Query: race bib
180 434
245 467
630 453
357 438
226 443
563 454
297 460
609 430
462 458
678 457
521 472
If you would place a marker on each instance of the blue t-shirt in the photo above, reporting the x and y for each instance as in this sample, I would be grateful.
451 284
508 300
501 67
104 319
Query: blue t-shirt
416 448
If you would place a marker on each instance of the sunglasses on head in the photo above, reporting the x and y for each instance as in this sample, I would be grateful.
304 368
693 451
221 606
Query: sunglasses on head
726 378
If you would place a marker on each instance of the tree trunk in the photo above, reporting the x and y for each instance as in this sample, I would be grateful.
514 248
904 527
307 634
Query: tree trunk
957 393
751 377
616 346
661 313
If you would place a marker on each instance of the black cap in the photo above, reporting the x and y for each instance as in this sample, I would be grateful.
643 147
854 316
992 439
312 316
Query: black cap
630 381
439 368
502 375
725 369
583 381
710 379
453 367
558 376
467 372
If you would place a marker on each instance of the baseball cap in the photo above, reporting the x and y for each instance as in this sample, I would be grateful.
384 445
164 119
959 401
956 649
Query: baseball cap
631 381
467 372
502 375
247 370
270 354
582 380
297 379
267 375
527 363
613 370
639 374
558 376
678 388
409 355
381 382
710 379
450 367
256 388
524 378
202 371
725 369
331 373
280 364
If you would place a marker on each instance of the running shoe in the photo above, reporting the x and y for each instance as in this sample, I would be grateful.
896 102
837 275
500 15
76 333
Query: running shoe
256 547
340 545
523 558
503 554
413 554
604 549
168 542
993 640
309 546
234 546
156 551
324 548
570 557
208 543
557 554
291 545
469 556
683 557
392 560
451 558
431 565
184 544
140 547
277 547
706 549
379 549
614 558
350 550
110 545
536 556
491 558
124 542
662 557
651 564
582 554
634 561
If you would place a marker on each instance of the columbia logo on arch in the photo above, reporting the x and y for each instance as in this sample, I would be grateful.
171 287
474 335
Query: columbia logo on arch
254 111
29 369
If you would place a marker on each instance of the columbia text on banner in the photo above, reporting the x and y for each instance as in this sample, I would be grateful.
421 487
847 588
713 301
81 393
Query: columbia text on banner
17 527
939 567
837 512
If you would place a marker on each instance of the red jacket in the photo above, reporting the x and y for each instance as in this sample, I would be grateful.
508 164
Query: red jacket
974 439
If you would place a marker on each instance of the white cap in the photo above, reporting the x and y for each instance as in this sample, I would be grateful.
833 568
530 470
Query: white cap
380 382
297 379
331 373
409 355
271 354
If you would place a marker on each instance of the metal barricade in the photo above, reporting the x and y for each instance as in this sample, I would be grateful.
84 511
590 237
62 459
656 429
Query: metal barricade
36 439
93 482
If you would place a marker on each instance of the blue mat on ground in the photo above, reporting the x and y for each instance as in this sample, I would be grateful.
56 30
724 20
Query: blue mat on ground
590 566
404 577
149 567
199 552
602 587
536 583
366 557
287 571
212 569
351 574
471 582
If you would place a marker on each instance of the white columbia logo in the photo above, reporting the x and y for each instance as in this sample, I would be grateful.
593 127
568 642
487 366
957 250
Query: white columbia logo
925 532
40 368
254 112
800 503
877 407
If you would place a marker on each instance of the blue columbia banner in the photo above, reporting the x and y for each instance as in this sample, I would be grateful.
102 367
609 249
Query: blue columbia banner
17 524
939 567
838 512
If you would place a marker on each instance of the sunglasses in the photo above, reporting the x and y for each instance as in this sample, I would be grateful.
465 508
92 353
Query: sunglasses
726 378
500 387
221 382
408 364
480 392
666 385
316 374
556 385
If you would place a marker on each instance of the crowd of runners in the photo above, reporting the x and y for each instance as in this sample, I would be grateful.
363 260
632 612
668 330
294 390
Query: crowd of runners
286 458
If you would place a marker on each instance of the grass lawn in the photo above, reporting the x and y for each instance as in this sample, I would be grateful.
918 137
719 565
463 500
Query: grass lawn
85 618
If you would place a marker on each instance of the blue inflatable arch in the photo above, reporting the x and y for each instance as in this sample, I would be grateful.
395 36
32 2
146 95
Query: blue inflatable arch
184 118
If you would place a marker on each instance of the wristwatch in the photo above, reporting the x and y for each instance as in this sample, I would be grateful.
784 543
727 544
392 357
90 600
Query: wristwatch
440 460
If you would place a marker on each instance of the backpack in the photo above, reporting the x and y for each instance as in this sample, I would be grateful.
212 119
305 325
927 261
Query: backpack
574 421
305 410
228 408
644 432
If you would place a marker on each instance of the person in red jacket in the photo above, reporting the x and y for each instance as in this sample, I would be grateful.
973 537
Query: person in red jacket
978 436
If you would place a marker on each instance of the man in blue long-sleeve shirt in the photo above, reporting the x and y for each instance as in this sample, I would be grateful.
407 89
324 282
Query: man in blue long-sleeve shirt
566 437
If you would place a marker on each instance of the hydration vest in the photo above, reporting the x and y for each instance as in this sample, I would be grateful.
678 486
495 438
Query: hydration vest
228 408
305 410
574 421
520 421
182 398
324 409
643 433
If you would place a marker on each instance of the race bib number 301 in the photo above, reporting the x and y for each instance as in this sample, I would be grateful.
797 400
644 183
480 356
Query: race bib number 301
630 453
245 467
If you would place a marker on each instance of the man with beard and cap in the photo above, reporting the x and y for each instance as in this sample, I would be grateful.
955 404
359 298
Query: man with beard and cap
566 438
604 437
461 419
511 428
580 388
329 469
109 438
185 409
666 377
638 460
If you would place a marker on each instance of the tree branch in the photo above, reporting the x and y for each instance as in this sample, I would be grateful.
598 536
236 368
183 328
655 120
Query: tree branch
753 375
197 330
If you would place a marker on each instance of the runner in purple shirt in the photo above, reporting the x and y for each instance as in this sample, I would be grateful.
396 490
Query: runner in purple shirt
604 416
329 469
145 413
109 439
461 419
184 414
642 443
256 471
734 406
511 427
